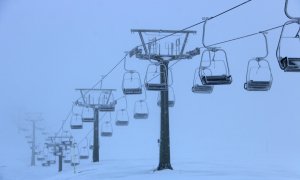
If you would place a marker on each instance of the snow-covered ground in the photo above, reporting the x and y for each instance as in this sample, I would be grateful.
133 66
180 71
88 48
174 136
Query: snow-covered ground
138 169
143 169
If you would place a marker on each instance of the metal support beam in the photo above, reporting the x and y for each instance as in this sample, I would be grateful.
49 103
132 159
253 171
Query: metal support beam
184 43
33 144
164 152
143 42
96 136
60 159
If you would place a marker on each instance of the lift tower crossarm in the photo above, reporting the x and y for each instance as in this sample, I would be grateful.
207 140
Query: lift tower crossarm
160 57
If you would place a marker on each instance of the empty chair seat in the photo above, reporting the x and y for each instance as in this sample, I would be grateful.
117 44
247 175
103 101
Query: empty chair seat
140 115
75 163
45 164
204 89
216 80
84 157
131 91
106 134
67 161
76 126
156 87
87 119
122 123
51 161
290 64
107 107
258 85
40 158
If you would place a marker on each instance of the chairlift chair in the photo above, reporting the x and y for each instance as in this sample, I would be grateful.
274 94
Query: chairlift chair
287 63
210 75
28 137
75 160
45 164
122 118
198 87
153 77
51 159
41 156
84 153
171 102
216 72
67 158
106 129
259 75
87 115
131 84
106 102
141 110
76 122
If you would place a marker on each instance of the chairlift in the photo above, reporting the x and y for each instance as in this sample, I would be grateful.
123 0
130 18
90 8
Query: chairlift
216 72
106 128
40 156
153 77
76 122
51 158
67 158
259 75
122 118
28 137
87 115
171 102
84 152
131 84
44 133
286 62
46 164
106 102
141 110
75 160
198 87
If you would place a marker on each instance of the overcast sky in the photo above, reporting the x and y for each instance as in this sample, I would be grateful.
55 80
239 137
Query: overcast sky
50 47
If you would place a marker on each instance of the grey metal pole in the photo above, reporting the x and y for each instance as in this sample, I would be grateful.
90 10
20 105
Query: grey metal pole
164 150
33 145
60 159
96 136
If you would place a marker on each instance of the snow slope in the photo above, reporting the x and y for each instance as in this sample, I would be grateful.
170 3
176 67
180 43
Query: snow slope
137 169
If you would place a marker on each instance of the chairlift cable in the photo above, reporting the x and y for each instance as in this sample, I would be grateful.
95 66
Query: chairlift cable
196 24
164 37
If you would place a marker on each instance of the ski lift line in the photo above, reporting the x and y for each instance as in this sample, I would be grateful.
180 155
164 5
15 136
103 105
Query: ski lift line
196 24
93 87
246 36
159 39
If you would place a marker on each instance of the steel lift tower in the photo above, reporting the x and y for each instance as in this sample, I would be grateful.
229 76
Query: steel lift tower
161 56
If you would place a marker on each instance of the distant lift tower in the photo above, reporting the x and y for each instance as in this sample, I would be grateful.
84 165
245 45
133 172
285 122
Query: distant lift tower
99 100
33 118
159 52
